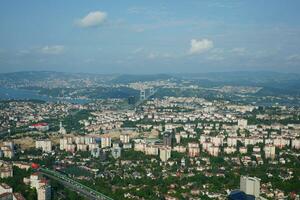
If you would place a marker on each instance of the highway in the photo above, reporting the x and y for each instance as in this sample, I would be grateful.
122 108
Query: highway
81 189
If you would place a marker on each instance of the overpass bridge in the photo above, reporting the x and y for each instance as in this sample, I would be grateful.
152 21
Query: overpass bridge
81 189
145 97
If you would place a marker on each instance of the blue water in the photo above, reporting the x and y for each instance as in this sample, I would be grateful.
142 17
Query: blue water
20 94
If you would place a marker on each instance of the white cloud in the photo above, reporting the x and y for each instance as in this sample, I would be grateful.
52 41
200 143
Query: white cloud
152 55
239 51
89 60
54 49
294 57
138 29
92 19
233 4
23 52
215 57
137 50
199 46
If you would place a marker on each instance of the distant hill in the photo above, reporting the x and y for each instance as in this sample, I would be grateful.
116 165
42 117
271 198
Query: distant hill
128 78
28 77
31 75
241 77
272 83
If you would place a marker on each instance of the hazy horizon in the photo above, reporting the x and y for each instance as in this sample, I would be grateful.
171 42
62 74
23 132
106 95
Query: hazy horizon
154 73
142 37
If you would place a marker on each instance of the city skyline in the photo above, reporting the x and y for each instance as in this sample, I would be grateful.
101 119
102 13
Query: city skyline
148 100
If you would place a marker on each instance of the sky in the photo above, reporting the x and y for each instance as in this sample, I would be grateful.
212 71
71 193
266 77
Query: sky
146 37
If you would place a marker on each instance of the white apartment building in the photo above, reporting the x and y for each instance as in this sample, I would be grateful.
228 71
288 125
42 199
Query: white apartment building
125 138
269 151
105 142
193 149
45 145
4 188
250 185
242 123
165 153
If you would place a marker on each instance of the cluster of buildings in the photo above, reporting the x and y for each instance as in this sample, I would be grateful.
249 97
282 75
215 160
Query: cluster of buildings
103 121
215 142
193 130
35 181
154 147
81 143
6 193
41 185
98 145
26 114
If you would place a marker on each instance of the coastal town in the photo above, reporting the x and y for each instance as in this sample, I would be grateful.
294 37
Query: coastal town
150 100
165 148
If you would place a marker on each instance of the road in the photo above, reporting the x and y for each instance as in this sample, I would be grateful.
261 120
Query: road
74 185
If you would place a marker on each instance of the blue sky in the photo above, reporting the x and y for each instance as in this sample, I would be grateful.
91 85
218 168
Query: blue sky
139 36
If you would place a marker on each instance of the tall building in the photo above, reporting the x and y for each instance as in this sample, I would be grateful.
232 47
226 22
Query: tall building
41 185
242 123
178 138
167 139
296 143
105 142
232 141
82 147
44 192
64 142
217 141
250 185
213 150
45 145
124 138
165 153
194 149
7 151
270 151
6 171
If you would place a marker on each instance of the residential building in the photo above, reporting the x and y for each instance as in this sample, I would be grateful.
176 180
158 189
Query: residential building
165 153
250 185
